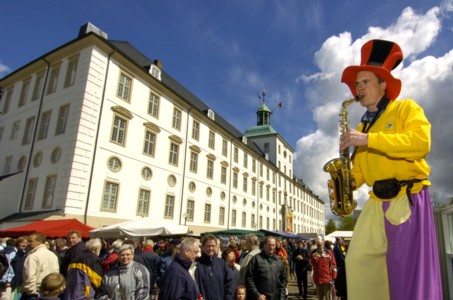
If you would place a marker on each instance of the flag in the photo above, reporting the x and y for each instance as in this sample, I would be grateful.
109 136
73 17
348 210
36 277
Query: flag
279 105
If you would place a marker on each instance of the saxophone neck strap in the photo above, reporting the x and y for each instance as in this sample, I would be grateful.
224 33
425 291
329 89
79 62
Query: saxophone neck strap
368 120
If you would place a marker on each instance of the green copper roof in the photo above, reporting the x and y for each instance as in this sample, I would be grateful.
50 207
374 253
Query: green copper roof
260 130
264 107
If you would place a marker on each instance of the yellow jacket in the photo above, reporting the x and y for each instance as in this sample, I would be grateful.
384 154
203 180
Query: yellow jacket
398 144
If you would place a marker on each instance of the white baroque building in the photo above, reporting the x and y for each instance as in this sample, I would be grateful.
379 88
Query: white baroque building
95 130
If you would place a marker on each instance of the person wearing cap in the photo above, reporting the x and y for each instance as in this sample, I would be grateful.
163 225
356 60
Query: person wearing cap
390 147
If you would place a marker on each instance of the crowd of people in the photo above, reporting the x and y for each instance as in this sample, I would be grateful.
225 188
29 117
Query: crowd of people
243 267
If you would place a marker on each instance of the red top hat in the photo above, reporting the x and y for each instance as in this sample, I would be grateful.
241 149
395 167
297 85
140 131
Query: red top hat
379 57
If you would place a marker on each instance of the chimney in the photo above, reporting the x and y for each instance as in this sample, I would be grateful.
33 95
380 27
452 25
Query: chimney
88 27
158 63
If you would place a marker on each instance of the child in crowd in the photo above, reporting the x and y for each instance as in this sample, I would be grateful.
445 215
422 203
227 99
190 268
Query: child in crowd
240 293
52 286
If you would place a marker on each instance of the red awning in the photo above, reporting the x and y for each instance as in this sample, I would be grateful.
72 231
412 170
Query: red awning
50 228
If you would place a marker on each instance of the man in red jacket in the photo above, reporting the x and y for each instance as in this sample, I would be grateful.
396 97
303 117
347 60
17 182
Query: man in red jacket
324 269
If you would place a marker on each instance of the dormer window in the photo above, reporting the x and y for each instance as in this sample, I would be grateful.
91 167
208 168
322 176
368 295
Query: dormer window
155 72
211 114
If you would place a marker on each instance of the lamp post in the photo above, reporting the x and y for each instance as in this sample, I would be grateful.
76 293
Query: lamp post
185 218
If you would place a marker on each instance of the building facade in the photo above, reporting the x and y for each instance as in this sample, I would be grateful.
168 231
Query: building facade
95 130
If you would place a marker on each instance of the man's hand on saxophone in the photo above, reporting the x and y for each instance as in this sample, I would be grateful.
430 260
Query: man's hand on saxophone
353 138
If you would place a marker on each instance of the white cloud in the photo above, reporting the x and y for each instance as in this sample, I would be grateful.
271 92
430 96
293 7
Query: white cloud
4 69
427 80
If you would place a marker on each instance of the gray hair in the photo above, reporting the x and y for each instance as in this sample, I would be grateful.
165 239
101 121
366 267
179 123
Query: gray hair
93 244
127 247
116 245
253 239
188 244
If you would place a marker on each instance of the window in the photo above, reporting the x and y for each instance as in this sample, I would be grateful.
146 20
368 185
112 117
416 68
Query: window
21 163
244 220
176 123
225 148
49 191
9 95
53 79
266 147
233 218
274 196
261 191
55 155
253 166
31 192
236 155
193 161
252 221
124 87
71 72
235 180
37 160
246 157
169 206
44 126
38 87
119 131
211 140
192 187
62 119
222 216
24 92
190 210
144 197
110 196
114 164
147 173
15 130
267 193
267 174
253 188
153 104
8 163
28 133
244 183
173 155
150 143
196 130
261 222
223 175
261 170
210 169
171 180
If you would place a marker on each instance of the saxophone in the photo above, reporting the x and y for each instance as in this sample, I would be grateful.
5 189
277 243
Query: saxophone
340 188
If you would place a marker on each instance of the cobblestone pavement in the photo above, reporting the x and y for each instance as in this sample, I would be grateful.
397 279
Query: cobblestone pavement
293 290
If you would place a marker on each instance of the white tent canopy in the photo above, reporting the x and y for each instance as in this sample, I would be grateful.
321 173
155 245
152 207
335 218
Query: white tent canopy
137 228
338 233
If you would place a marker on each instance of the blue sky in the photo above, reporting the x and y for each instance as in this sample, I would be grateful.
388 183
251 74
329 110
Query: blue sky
226 52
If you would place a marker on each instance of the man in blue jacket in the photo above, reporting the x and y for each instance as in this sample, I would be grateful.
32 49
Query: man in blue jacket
214 277
177 283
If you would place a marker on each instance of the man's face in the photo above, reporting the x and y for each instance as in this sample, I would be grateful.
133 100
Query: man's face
73 239
319 244
368 86
269 247
210 248
192 254
33 242
126 256
300 245
248 244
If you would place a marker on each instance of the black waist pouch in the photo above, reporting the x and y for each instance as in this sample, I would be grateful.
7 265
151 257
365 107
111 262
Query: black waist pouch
386 189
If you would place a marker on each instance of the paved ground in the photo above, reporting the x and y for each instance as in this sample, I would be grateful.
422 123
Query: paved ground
294 290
